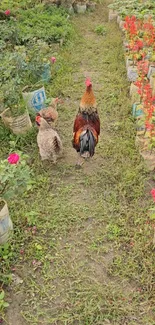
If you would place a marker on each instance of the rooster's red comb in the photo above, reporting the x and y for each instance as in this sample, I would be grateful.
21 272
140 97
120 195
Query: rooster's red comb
37 119
88 82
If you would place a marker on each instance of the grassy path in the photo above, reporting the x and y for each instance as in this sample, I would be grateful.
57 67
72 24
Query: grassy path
91 260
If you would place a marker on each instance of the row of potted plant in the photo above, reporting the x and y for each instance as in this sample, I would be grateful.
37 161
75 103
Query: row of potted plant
33 65
24 73
139 46
139 54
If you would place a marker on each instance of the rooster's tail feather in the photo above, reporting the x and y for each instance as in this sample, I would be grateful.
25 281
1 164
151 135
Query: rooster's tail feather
87 143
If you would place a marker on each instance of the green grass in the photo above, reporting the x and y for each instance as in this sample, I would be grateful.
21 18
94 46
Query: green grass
91 259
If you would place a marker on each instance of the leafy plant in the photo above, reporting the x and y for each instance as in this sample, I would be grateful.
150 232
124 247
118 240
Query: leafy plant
3 303
100 29
15 175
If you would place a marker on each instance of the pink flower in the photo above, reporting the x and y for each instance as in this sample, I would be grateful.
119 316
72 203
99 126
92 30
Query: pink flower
7 12
13 158
53 59
153 193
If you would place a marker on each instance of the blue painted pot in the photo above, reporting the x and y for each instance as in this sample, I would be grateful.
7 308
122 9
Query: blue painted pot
6 225
137 111
46 72
35 100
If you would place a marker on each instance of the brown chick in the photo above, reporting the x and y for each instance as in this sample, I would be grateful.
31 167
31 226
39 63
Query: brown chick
50 114
49 142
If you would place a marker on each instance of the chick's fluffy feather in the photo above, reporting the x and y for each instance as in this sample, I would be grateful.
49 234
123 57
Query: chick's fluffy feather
49 142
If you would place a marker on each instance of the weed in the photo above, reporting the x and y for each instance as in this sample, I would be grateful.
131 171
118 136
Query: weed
100 30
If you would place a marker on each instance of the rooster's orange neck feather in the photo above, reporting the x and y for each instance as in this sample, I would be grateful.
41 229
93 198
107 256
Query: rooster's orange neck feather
88 99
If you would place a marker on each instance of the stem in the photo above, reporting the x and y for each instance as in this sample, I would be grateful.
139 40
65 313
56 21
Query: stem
1 193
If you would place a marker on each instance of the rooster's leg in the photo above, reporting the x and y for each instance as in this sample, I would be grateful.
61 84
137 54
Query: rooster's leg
80 162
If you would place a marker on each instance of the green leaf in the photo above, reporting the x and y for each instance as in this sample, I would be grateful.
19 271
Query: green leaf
38 246
2 295
152 216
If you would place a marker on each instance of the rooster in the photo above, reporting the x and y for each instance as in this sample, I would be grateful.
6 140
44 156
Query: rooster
86 125
49 142
50 114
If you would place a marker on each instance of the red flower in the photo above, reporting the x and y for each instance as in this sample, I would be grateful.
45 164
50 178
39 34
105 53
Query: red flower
149 126
7 12
13 158
53 59
153 193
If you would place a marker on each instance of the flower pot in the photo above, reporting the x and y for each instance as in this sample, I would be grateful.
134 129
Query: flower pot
135 97
6 225
121 24
70 10
112 15
18 125
129 62
91 6
149 158
132 73
141 142
137 110
35 100
46 73
152 83
151 71
125 46
140 126
80 8
118 19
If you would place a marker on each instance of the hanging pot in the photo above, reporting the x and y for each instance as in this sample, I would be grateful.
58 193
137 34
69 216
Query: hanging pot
18 125
35 100
6 225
